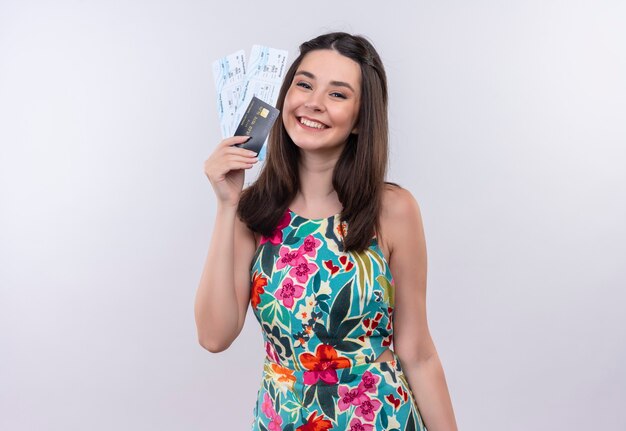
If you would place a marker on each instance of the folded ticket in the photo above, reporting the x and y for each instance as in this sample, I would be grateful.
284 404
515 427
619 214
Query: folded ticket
238 82
229 74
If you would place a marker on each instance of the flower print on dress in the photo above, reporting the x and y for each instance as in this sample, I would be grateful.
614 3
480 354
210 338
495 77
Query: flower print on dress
322 365
305 311
288 292
268 409
315 423
305 334
275 424
289 257
279 342
303 271
271 352
342 229
357 425
283 378
367 408
309 246
369 382
277 234
258 283
350 397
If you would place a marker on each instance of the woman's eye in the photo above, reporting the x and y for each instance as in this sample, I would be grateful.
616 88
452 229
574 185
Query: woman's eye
340 95
303 85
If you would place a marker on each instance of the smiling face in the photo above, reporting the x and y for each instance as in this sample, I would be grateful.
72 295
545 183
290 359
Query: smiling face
322 104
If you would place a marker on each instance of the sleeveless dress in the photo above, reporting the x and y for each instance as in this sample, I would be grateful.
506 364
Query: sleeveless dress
326 315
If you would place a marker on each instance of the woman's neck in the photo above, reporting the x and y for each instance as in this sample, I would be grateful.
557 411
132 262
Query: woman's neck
317 194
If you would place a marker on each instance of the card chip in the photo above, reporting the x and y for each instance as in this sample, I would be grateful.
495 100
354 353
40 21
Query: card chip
264 112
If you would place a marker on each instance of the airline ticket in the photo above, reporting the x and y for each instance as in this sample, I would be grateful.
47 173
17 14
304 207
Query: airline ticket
238 81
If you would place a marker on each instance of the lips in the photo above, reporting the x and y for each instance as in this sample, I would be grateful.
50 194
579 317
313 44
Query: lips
312 124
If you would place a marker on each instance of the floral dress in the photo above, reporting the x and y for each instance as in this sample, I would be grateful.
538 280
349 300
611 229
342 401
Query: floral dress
326 315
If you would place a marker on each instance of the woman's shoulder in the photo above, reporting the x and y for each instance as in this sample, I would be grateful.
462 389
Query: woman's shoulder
399 210
397 202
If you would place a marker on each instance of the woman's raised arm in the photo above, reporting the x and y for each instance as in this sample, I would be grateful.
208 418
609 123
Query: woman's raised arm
224 290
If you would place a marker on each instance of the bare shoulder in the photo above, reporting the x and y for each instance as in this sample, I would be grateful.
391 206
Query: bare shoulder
400 215
399 202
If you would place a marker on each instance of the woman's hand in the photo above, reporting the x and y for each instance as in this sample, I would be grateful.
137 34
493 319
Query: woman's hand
225 169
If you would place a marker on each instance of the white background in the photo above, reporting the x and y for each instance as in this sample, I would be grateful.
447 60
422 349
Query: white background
508 124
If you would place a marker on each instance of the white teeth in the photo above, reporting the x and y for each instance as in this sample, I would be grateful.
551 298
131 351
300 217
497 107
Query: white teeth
313 124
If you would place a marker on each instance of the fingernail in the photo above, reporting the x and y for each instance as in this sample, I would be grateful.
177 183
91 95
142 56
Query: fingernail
249 137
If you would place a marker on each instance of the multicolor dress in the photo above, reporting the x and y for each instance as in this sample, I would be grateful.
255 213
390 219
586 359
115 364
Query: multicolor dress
326 315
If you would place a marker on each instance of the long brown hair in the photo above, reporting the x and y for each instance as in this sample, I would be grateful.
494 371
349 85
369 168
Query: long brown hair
359 174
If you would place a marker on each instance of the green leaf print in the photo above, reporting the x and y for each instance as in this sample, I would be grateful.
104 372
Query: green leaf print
324 307
365 262
322 333
308 395
383 418
288 427
388 293
272 391
267 259
347 377
297 221
340 307
410 423
291 238
316 282
363 268
262 427
306 228
346 327
325 396
284 315
268 312
277 402
347 346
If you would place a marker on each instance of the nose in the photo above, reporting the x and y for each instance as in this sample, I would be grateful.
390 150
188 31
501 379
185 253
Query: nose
314 101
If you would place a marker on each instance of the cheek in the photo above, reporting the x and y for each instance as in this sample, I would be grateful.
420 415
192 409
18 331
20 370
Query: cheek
288 104
348 117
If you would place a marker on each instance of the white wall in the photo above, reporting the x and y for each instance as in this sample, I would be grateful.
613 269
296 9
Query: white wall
508 124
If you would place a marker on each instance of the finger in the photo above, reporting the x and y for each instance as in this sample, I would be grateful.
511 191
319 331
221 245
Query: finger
240 159
231 163
240 152
235 140
239 165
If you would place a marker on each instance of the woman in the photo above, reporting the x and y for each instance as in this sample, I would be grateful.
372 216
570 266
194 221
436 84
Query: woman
312 246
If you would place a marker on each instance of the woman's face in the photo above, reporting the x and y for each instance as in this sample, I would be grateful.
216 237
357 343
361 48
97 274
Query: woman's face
322 104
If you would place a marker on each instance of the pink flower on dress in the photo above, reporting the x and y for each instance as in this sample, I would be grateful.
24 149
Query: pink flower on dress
289 257
267 408
303 271
366 409
288 292
348 397
357 425
309 246
323 365
275 423
369 382
271 352
277 235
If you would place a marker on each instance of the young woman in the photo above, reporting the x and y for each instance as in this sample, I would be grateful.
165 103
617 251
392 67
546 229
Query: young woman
331 257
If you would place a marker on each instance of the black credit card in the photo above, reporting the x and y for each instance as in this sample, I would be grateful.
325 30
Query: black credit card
256 122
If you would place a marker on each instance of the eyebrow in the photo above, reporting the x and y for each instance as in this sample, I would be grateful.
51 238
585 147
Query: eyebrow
334 83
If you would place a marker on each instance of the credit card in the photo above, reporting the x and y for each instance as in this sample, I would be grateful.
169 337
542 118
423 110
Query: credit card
257 121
